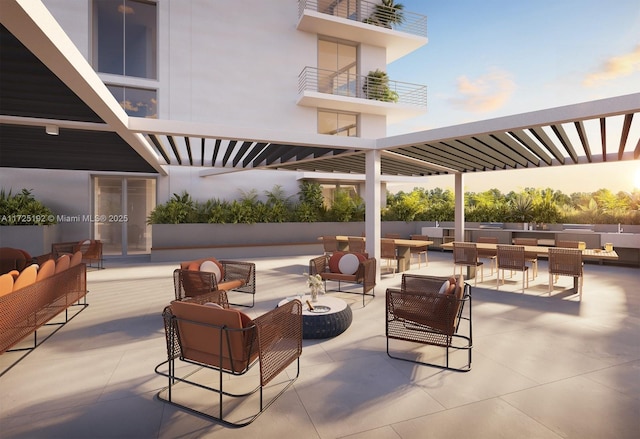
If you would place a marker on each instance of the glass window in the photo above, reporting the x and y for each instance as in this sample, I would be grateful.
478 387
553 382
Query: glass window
337 65
137 102
337 124
125 37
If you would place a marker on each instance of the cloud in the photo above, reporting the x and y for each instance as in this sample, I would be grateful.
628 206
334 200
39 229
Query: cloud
615 67
485 93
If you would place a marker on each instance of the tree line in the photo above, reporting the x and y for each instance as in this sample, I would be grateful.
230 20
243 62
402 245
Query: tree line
529 205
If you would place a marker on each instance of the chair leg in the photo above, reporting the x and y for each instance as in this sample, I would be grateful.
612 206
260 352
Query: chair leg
550 283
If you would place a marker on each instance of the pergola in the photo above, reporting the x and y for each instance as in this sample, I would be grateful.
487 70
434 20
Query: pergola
46 82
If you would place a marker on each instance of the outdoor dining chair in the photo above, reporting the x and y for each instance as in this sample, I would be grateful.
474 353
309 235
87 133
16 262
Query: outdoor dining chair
489 254
330 244
417 251
512 258
389 254
531 257
566 262
356 244
465 254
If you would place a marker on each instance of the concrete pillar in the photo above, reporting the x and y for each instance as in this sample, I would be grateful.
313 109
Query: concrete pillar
373 194
459 207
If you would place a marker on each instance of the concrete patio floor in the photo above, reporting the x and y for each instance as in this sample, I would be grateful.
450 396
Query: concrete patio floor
543 367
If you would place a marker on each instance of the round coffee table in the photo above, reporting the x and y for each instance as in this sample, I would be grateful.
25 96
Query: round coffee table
322 322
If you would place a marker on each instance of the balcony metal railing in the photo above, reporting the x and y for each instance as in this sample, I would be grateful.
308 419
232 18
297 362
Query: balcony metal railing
346 83
370 13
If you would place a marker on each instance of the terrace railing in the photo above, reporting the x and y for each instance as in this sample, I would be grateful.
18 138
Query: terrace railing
370 13
346 83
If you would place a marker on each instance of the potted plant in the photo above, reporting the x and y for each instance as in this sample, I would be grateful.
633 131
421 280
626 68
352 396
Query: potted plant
376 86
386 14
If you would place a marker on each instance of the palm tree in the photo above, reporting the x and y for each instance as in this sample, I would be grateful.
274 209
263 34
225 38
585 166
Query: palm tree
387 14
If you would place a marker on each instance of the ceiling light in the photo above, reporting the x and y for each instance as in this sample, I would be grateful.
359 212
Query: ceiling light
52 130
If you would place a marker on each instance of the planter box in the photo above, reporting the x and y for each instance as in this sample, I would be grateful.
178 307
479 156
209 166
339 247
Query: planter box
36 240
178 242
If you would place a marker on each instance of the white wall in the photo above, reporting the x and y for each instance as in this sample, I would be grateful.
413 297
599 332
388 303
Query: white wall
69 14
237 64
64 192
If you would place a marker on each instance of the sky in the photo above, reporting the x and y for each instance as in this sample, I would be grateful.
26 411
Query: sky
494 58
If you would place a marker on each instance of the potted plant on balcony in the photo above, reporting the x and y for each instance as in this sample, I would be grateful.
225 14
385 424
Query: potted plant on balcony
376 86
386 14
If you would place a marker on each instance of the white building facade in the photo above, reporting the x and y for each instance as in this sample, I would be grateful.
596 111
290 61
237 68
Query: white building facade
284 66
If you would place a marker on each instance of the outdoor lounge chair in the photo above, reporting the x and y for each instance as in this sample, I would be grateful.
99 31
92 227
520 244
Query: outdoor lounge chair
346 267
215 275
429 310
214 345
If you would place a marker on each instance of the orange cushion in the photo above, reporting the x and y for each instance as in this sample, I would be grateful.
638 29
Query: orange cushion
76 258
6 284
63 263
202 343
48 269
27 277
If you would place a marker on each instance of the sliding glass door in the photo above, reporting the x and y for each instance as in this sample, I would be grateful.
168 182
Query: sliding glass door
121 206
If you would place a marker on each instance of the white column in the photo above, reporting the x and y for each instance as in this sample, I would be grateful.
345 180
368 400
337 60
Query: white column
459 208
373 193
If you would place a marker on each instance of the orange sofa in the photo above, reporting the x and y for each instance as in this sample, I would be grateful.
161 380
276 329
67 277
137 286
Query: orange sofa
31 298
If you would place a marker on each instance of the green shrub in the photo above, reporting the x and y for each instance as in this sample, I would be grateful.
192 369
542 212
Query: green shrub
23 209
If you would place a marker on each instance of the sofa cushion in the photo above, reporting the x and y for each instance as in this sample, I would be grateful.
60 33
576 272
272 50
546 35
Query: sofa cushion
214 267
63 263
47 269
202 343
197 266
27 277
347 266
6 284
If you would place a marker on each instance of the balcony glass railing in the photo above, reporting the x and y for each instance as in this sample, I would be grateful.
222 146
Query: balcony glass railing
365 87
369 12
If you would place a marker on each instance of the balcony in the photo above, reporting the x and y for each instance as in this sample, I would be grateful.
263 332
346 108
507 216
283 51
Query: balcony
345 91
366 23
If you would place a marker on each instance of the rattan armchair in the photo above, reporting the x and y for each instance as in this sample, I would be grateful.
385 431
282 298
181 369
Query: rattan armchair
235 276
365 274
421 312
208 344
566 262
465 254
512 258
